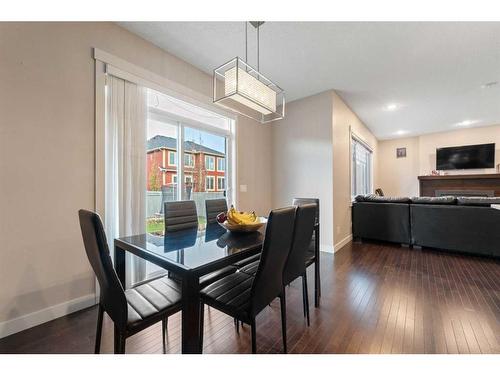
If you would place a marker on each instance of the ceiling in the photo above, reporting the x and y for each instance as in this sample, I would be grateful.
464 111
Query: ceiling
432 73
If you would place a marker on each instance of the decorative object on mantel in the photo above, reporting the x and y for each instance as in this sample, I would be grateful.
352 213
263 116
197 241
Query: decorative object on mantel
498 168
401 152
243 89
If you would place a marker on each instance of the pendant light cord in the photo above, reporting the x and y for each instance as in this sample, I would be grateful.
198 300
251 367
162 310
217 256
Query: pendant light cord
246 42
258 52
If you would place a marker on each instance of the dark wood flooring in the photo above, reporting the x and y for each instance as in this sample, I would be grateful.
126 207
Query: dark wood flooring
377 298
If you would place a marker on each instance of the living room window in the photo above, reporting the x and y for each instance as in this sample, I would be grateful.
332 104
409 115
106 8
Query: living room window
361 168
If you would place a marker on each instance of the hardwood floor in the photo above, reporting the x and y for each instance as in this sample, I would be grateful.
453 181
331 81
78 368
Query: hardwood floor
376 298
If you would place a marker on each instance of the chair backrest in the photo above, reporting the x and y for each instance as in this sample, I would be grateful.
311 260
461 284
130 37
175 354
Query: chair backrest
295 265
94 239
301 201
268 282
215 207
180 215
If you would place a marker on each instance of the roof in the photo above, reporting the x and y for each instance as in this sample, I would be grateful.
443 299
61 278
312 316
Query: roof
160 141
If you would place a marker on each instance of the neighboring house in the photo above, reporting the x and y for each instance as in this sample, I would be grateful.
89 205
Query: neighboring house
204 168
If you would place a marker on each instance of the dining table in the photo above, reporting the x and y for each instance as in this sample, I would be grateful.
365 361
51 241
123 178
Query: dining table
189 254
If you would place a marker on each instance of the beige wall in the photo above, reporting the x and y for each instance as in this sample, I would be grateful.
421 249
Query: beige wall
302 158
47 153
343 120
311 149
399 176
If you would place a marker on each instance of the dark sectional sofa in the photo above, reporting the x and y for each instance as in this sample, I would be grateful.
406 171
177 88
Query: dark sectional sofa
463 224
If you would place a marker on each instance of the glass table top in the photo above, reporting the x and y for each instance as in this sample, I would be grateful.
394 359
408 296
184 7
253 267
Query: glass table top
193 248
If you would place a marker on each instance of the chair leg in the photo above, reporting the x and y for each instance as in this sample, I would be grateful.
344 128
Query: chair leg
98 334
237 324
254 336
202 324
164 324
303 297
306 297
317 284
283 319
119 341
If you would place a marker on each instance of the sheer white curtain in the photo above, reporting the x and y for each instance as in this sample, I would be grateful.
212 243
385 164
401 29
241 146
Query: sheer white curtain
125 160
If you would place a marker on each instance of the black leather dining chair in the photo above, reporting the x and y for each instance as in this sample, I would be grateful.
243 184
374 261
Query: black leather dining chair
131 310
180 215
244 296
213 207
295 265
312 256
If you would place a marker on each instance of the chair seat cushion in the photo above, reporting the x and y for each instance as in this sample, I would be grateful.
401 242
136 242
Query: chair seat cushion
250 268
150 300
246 261
216 275
231 294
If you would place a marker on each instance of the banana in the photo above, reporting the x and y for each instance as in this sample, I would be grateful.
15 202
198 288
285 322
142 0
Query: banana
240 218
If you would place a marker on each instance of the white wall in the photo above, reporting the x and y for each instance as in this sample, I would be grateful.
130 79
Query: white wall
399 176
302 158
47 158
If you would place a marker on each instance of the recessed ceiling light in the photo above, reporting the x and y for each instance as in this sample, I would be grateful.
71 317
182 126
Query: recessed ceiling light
391 107
466 122
401 132
489 85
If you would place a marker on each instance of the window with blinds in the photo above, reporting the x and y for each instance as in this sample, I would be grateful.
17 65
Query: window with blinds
361 168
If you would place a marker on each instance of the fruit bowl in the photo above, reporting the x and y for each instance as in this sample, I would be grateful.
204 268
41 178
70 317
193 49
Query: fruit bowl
250 227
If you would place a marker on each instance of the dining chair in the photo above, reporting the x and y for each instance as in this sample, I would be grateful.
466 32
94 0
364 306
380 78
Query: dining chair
213 207
131 310
312 256
244 296
295 265
180 215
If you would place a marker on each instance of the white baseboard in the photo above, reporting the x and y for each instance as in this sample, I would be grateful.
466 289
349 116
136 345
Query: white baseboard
21 323
326 248
342 243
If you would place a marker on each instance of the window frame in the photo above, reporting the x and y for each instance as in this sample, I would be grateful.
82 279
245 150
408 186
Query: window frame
224 183
170 152
355 142
191 157
213 183
213 160
224 164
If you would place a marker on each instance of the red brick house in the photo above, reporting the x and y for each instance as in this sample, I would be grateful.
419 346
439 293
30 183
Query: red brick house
204 168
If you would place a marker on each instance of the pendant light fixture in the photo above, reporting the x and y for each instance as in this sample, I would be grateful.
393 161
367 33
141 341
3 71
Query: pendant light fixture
243 89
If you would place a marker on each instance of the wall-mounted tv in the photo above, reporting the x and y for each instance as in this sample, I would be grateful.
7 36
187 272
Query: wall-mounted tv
466 157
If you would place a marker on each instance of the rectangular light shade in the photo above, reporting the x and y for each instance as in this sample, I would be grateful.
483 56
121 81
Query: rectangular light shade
242 89
249 91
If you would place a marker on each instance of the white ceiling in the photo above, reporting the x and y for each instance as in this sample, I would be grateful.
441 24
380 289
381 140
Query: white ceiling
433 72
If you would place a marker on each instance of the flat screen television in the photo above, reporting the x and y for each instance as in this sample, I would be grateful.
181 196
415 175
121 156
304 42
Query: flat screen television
466 157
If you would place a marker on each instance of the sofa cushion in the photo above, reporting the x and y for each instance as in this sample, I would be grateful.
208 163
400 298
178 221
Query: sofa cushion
478 201
434 200
378 199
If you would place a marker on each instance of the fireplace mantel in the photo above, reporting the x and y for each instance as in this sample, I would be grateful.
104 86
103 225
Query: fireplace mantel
486 183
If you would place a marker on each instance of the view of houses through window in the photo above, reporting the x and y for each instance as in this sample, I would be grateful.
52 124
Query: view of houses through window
200 174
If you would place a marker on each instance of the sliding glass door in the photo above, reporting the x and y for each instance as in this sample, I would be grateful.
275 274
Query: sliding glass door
187 158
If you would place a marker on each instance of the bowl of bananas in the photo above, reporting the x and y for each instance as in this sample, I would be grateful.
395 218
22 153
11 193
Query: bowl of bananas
238 221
